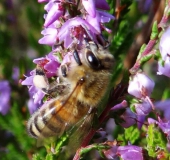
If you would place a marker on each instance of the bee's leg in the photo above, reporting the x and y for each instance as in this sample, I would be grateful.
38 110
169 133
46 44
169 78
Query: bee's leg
56 88
40 80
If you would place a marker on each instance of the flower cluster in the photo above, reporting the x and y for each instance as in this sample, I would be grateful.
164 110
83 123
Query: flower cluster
140 86
72 24
50 64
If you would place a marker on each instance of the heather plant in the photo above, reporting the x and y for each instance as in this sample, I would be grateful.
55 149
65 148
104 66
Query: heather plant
133 120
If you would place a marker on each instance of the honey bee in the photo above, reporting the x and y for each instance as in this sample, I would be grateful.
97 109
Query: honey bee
84 82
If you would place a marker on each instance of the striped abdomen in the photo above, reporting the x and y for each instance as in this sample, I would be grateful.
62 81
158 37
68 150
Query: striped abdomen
54 117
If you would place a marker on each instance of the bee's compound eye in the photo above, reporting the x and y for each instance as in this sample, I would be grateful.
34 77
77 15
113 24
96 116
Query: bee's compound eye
93 61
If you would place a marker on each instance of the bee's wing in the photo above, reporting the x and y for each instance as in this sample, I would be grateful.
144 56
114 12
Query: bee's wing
82 129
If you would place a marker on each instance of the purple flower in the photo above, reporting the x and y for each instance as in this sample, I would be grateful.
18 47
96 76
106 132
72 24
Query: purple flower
90 7
41 1
50 65
140 85
129 118
152 121
164 69
143 107
5 93
104 17
37 93
130 152
75 27
55 10
102 4
164 46
15 74
121 105
32 107
140 121
101 17
164 107
49 38
164 126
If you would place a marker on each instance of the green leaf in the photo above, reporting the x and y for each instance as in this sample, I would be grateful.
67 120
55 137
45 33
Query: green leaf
62 141
36 157
49 157
155 32
166 94
141 51
155 139
99 147
146 58
132 134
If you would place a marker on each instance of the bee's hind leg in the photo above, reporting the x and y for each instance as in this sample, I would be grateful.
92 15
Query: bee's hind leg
40 80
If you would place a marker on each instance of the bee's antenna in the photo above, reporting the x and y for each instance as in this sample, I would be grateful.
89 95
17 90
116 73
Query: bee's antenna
102 41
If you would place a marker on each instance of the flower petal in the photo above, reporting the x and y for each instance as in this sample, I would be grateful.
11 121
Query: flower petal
164 70
102 4
54 13
164 46
89 6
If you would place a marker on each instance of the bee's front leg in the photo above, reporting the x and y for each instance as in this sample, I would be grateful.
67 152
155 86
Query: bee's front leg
41 81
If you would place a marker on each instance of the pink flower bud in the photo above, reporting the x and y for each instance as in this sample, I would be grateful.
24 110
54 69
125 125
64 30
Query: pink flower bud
164 69
140 85
143 108
54 13
164 46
